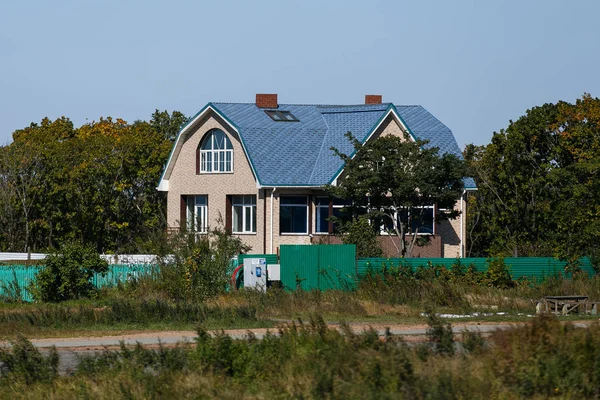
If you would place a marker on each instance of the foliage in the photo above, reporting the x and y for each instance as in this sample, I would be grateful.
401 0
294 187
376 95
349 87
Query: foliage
25 363
472 341
440 334
11 292
168 124
67 274
537 188
395 179
123 313
95 183
199 268
547 358
497 274
540 359
360 232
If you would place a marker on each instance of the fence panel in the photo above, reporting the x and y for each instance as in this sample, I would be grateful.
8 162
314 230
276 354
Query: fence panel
325 266
337 266
536 268
25 274
299 266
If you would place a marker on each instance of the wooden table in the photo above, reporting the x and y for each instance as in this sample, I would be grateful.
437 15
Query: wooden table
564 304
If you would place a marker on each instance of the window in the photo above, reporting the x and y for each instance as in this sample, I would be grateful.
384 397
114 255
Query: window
244 214
197 213
337 205
293 214
426 220
216 153
419 216
281 116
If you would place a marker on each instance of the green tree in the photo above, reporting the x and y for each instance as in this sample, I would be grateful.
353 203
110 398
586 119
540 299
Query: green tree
95 184
167 124
538 192
395 180
512 175
360 231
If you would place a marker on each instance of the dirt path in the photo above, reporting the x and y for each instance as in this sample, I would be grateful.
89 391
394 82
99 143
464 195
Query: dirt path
174 337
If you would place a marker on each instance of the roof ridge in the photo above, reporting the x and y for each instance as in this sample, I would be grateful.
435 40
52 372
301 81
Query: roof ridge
312 173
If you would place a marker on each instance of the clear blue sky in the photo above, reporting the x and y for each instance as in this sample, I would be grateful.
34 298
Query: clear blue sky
473 64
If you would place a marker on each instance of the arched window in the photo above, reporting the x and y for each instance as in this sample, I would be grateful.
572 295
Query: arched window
216 153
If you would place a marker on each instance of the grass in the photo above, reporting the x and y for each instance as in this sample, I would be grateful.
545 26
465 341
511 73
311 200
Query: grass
540 359
394 297
111 316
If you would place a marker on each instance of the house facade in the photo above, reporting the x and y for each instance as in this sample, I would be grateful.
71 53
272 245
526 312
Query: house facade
259 169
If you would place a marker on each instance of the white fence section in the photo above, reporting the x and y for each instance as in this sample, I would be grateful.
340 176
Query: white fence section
110 258
21 256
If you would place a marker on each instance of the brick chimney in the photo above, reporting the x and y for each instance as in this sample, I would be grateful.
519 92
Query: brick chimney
266 100
372 99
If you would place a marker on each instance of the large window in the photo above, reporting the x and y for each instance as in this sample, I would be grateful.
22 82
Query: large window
244 214
293 214
197 213
337 210
216 153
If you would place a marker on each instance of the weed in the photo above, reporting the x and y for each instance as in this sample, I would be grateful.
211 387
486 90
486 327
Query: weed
24 363
472 341
440 334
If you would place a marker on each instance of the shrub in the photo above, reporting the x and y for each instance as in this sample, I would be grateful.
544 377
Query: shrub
199 269
440 334
67 274
497 274
11 292
472 341
25 363
361 233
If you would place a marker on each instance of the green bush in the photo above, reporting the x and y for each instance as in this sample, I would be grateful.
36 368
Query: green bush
360 232
199 269
25 363
440 334
67 274
498 274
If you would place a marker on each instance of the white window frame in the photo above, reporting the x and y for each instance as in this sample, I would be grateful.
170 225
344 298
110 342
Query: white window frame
215 155
307 204
197 213
248 206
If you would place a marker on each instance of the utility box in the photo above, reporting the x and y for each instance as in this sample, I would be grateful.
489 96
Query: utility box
255 273
274 272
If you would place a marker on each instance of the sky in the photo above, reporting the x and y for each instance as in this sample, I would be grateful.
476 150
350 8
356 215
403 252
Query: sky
475 65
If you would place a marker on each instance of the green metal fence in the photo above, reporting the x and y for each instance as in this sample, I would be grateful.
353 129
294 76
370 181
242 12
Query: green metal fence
324 266
25 274
520 267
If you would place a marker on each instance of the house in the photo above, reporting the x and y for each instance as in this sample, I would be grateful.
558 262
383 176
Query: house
259 169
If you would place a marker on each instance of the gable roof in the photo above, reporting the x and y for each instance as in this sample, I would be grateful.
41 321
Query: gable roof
299 153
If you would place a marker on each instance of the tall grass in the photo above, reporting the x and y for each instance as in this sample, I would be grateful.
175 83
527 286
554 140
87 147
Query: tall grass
309 360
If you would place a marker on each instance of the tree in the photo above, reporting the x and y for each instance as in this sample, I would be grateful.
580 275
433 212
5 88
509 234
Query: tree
394 180
94 184
538 191
167 124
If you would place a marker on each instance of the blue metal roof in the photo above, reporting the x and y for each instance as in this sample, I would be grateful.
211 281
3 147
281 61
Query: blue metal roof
299 153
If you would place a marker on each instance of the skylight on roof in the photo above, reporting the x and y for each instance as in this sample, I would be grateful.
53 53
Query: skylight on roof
281 116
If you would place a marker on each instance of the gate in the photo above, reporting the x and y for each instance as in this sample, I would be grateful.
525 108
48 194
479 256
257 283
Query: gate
321 266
